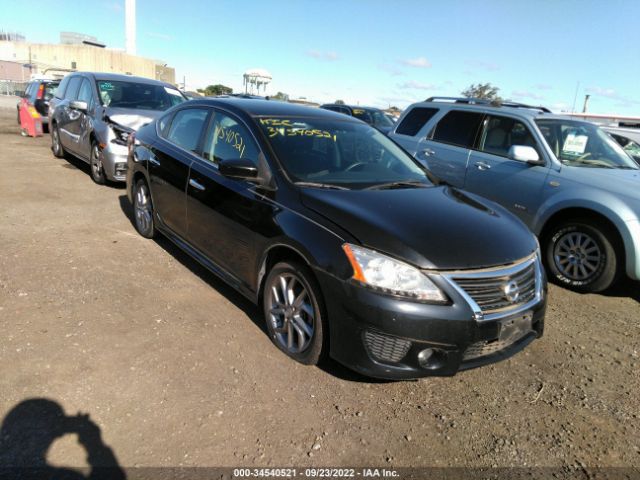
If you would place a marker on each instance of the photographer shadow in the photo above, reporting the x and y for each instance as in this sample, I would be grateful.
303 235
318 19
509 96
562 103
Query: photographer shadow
29 430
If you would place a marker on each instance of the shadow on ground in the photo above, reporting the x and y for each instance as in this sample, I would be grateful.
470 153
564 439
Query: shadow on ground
29 430
249 308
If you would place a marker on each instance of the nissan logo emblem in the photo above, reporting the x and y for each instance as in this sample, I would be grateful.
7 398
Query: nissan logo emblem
511 291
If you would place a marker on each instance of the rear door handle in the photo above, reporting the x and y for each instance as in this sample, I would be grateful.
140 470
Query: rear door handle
483 166
155 162
196 185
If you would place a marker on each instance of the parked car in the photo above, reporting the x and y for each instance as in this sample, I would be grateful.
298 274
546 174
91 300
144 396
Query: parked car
566 179
628 145
38 93
373 116
92 114
340 236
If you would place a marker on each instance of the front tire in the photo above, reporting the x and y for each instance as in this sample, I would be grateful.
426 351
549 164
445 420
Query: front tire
580 255
97 169
295 314
143 210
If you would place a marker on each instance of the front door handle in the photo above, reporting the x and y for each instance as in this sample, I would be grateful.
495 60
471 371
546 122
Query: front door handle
196 185
427 152
155 162
483 166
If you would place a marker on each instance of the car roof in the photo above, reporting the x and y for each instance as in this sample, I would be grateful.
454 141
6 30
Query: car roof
102 76
476 105
349 106
262 108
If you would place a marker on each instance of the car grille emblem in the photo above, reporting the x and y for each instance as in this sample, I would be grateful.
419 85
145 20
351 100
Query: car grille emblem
511 291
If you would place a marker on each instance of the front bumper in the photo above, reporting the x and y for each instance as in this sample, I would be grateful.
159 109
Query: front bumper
114 161
359 317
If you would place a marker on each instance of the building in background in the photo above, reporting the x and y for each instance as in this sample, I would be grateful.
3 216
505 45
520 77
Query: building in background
75 52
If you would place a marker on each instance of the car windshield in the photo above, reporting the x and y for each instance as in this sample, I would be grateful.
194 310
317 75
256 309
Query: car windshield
372 117
581 144
139 96
342 154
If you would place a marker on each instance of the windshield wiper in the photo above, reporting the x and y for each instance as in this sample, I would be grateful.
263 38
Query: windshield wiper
320 185
398 184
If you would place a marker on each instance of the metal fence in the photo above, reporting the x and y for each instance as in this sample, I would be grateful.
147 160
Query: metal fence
9 87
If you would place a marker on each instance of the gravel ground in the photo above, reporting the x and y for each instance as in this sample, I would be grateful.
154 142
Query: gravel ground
174 368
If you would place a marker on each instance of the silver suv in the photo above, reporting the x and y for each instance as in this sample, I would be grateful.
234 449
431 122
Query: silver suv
566 179
92 114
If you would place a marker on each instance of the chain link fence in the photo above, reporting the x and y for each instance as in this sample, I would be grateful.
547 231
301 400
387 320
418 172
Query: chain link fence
9 87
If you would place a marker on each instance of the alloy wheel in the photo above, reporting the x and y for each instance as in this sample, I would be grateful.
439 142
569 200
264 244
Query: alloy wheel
291 313
142 209
577 256
97 172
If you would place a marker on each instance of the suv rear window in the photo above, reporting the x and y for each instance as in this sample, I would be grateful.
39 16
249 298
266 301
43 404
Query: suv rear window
415 120
458 128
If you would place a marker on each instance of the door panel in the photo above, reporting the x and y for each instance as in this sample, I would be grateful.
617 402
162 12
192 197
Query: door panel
515 185
228 221
172 157
447 162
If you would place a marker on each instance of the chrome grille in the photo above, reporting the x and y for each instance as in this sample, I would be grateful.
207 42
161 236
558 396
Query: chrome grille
385 347
500 290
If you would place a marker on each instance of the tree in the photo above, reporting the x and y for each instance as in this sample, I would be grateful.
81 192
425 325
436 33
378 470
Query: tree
483 90
217 89
280 96
339 102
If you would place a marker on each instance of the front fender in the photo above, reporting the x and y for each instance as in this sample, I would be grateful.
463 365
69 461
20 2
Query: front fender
606 204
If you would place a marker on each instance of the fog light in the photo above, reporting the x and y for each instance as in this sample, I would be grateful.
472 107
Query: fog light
432 358
424 356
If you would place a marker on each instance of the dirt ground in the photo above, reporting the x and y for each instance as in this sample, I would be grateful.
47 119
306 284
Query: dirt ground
174 368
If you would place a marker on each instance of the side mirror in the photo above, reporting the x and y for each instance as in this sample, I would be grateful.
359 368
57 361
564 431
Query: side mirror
239 168
79 105
525 153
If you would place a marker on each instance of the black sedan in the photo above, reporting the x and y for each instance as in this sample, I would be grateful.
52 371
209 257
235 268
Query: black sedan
347 243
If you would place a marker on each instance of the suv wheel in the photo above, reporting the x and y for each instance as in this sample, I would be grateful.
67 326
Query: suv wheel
580 255
294 312
56 145
143 210
97 170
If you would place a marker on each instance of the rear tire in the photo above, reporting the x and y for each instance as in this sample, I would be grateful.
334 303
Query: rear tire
143 210
95 162
294 312
581 255
56 144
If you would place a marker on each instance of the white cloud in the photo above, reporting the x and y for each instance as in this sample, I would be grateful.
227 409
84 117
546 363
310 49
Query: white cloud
318 55
412 84
613 95
419 62
526 94
481 64
391 70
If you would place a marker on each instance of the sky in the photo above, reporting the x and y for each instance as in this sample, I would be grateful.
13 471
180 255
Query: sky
371 52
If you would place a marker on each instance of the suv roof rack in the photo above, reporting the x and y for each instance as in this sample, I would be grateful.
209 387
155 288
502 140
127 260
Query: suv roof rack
484 101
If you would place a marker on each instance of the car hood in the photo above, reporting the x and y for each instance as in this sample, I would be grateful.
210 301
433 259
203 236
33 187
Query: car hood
132 118
436 227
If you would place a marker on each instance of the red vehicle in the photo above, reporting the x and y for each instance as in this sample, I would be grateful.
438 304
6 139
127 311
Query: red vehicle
37 94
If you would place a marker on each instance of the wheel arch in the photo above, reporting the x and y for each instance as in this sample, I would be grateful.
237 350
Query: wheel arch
277 253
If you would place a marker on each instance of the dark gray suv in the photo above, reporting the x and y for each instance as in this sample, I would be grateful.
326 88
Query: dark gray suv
92 114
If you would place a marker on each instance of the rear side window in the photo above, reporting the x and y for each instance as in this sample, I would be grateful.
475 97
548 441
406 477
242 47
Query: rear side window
186 128
413 122
458 128
72 88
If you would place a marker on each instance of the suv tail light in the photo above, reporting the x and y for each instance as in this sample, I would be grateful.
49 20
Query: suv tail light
40 94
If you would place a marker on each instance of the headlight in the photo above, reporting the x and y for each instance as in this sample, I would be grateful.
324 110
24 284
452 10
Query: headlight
391 276
121 134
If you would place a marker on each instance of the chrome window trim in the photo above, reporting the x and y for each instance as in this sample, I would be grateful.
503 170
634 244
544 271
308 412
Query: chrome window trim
520 265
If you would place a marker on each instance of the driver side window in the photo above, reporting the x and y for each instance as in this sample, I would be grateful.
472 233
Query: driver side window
502 133
228 139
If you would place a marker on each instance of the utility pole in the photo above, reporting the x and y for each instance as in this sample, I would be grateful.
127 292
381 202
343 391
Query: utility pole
586 102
